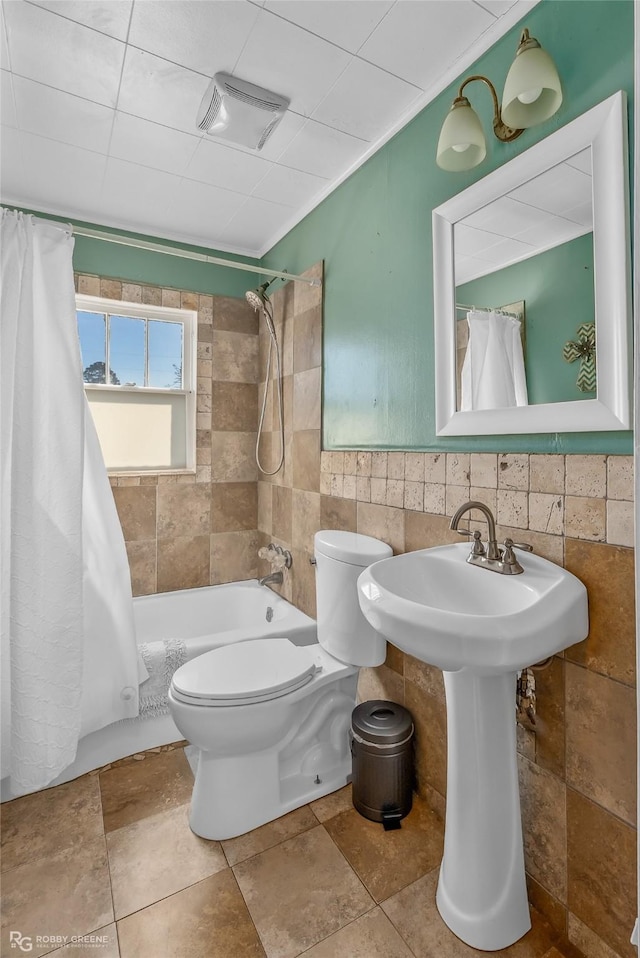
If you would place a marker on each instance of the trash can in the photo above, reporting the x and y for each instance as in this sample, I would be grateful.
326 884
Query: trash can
382 761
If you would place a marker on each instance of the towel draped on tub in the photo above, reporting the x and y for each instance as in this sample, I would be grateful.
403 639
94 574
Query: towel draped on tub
161 659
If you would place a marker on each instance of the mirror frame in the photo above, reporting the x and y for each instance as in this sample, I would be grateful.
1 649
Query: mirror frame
604 129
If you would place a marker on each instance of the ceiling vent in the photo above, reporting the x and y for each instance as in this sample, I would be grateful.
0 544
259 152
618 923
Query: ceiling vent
240 112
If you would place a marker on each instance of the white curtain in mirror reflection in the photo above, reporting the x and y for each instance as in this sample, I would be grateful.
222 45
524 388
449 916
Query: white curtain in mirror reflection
493 373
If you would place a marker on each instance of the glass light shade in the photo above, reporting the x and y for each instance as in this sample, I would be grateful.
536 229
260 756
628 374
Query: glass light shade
532 91
461 145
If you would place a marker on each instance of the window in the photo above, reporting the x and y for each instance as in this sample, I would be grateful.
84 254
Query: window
139 372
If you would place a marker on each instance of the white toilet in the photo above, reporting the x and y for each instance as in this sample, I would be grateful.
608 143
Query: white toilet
271 719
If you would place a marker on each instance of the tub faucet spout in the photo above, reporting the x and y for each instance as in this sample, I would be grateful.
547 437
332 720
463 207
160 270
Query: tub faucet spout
274 577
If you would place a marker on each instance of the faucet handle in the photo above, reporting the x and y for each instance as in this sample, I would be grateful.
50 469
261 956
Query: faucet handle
508 556
466 532
478 547
510 544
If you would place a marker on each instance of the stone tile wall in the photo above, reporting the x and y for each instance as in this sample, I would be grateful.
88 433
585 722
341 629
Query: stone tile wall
289 502
577 768
184 530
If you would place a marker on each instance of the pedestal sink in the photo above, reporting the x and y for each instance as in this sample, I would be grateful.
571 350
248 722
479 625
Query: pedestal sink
479 627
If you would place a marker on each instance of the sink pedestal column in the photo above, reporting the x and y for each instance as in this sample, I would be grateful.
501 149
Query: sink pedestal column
482 894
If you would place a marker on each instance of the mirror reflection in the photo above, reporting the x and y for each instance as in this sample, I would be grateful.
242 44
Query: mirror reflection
524 293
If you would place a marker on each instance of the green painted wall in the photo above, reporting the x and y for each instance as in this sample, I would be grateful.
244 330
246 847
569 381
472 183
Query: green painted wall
557 287
157 269
374 235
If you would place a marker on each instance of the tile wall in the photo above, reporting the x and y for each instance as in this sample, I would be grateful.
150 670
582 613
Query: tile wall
188 530
289 502
577 767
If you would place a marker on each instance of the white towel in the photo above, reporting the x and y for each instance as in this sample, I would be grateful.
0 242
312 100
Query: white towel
161 659
493 374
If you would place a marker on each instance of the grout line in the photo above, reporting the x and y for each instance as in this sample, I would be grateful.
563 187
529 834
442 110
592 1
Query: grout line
337 931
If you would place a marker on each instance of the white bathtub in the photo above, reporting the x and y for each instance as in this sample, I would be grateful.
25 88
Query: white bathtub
219 615
204 619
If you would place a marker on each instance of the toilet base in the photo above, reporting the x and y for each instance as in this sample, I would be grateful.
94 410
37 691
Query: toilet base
232 794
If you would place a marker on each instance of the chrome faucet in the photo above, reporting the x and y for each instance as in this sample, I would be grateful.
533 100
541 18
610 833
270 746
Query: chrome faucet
491 557
274 577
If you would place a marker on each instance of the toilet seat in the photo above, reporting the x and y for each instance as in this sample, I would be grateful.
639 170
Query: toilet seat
245 672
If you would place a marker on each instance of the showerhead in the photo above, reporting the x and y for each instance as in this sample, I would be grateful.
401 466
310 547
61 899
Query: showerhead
257 298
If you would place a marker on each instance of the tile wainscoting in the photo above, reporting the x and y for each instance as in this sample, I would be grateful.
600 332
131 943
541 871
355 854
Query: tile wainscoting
578 767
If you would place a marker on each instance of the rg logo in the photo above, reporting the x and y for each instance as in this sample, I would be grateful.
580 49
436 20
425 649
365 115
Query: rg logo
18 940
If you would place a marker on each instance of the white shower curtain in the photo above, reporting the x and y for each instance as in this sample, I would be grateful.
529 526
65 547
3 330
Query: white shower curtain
68 652
493 373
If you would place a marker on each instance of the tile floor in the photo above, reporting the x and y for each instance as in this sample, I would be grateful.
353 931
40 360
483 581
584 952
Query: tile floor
111 855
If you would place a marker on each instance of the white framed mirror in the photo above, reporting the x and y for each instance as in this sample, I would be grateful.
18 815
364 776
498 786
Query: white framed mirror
572 188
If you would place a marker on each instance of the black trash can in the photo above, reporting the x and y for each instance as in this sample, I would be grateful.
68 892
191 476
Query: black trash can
382 761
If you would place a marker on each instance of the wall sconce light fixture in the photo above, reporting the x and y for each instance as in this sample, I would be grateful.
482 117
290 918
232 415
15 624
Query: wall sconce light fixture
532 94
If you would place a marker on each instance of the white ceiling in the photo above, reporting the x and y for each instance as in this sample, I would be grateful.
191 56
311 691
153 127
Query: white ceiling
99 99
552 208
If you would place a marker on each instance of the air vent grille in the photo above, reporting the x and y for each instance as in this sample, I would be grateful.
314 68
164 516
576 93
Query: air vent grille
240 112
212 111
259 102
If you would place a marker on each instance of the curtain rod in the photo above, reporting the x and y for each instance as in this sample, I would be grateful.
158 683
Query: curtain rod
489 309
188 254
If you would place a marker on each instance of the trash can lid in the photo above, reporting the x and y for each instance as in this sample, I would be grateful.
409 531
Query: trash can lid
381 722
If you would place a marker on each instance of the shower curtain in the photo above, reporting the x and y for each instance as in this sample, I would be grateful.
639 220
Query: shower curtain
68 651
493 373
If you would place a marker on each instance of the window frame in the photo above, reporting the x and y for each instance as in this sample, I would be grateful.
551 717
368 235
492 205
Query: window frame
189 320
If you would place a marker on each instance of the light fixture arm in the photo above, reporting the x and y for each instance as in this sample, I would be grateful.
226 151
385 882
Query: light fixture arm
501 130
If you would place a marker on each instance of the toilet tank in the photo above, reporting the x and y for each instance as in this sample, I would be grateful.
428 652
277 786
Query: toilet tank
343 631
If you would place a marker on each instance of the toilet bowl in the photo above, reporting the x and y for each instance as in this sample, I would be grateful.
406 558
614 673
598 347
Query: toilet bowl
271 719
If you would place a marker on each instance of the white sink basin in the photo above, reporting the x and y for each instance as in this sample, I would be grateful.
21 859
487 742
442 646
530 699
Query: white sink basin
444 611
479 627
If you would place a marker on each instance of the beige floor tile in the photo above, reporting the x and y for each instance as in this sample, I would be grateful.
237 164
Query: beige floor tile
46 822
102 943
135 791
371 936
207 920
330 805
258 840
414 913
64 894
387 861
156 857
300 892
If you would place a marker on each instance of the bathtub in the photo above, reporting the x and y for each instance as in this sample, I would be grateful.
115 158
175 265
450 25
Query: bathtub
204 619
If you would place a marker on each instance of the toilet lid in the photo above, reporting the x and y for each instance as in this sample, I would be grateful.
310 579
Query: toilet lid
251 671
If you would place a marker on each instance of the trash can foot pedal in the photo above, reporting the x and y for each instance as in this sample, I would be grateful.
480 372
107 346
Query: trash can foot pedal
391 816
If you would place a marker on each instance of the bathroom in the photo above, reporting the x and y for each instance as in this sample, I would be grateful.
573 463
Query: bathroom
361 454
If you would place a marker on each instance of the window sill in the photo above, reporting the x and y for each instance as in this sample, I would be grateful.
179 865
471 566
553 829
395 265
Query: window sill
147 473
